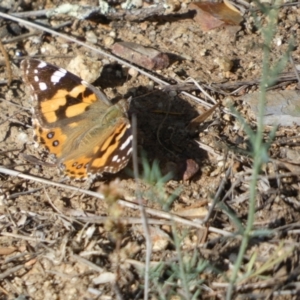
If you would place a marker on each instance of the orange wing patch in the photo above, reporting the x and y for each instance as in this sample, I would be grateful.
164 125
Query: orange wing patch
76 109
108 147
52 139
49 107
77 168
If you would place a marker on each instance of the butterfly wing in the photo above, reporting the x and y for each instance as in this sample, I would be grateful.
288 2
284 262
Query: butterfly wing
59 94
110 156
72 120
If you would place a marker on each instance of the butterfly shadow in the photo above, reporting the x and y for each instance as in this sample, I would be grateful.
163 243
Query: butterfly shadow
111 76
163 133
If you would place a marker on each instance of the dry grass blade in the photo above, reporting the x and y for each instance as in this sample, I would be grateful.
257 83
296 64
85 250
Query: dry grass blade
154 212
7 63
10 271
200 119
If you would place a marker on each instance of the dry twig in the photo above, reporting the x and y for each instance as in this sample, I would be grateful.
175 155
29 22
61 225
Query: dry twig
7 63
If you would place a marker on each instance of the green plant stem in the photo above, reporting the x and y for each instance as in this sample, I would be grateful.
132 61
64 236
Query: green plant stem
248 229
182 272
259 147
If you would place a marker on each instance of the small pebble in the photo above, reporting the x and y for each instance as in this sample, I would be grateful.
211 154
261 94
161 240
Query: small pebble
133 72
86 68
144 26
132 4
227 117
191 168
113 34
224 63
48 49
91 37
108 41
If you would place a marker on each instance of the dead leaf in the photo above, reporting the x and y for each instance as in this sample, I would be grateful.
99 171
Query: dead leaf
213 15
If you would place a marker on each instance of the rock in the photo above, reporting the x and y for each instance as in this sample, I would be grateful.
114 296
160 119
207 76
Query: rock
188 168
91 37
282 107
86 68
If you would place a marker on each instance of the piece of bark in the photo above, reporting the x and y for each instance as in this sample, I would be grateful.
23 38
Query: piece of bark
148 58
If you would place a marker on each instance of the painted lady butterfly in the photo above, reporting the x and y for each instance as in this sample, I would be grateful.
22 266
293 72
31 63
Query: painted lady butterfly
76 122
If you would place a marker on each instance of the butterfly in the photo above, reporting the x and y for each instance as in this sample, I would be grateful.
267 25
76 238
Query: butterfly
76 122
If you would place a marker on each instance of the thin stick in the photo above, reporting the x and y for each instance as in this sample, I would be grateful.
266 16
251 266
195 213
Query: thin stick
129 15
142 210
27 238
11 271
217 196
154 212
295 69
32 13
7 63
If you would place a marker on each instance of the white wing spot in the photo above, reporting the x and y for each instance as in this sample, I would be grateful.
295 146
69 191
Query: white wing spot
57 75
36 78
62 70
126 143
43 86
129 152
109 169
35 71
41 65
115 158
